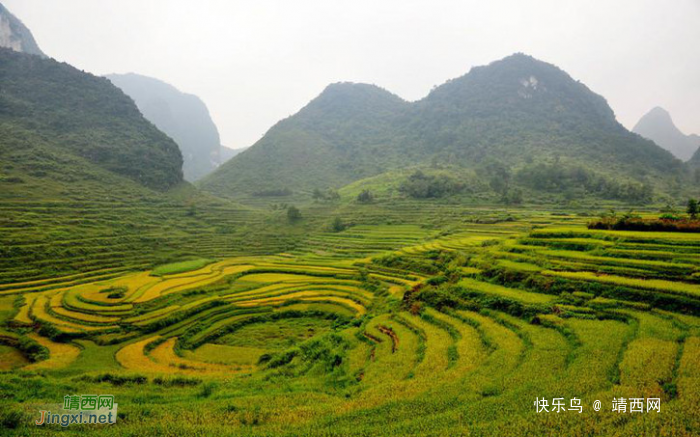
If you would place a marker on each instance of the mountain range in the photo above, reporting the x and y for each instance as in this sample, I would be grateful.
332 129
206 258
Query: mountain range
516 112
183 117
657 125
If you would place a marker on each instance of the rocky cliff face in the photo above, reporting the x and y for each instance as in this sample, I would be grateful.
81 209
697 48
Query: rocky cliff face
15 35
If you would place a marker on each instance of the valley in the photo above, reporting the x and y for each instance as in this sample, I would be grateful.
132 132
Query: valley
499 256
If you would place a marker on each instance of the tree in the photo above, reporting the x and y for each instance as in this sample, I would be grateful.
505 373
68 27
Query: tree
365 196
329 195
513 197
293 214
337 225
692 208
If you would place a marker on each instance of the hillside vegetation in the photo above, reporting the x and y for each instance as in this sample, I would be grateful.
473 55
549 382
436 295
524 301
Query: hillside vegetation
509 115
87 184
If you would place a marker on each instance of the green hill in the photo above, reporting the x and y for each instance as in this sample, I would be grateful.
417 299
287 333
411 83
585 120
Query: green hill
511 114
86 183
47 105
332 141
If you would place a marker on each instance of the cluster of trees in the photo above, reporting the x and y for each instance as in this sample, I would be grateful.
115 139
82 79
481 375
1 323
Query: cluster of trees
329 195
365 196
293 214
669 221
422 186
567 178
273 192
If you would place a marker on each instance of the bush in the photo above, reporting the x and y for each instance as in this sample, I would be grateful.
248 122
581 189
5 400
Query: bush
627 223
337 225
422 186
365 196
32 350
207 389
293 214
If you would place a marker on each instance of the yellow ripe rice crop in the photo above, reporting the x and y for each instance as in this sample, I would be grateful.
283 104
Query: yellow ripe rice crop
646 362
168 286
133 357
510 293
648 284
281 277
238 356
165 355
23 314
60 354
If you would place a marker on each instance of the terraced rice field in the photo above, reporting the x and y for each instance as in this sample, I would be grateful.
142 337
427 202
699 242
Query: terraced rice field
380 330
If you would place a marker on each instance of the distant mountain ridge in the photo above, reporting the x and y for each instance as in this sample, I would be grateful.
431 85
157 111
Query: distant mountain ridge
183 117
657 125
514 111
15 35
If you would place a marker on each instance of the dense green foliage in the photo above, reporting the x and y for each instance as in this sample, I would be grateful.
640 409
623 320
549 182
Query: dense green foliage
575 181
422 186
51 112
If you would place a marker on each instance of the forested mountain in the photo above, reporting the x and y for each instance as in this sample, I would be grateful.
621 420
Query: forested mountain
86 182
339 137
15 35
184 117
516 113
658 126
51 112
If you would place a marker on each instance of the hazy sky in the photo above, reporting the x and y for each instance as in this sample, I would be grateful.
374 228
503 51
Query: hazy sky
254 62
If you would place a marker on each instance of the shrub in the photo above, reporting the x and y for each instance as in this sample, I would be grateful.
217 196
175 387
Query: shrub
422 186
337 225
32 350
293 214
365 196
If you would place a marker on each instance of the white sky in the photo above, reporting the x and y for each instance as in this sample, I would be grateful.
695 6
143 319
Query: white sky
254 62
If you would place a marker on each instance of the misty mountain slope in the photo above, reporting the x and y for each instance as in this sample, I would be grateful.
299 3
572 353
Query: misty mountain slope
515 111
337 138
657 125
74 113
15 35
228 153
694 160
183 117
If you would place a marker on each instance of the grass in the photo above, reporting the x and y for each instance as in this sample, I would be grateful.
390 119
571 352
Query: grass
472 285
180 267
